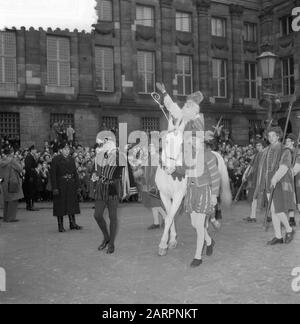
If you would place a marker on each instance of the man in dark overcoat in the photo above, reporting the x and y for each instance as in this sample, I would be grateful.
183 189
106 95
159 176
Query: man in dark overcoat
29 187
65 184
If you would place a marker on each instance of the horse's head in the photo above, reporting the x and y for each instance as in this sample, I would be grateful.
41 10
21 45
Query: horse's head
172 146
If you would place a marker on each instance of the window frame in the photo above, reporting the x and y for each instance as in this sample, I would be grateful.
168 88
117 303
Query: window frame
152 20
184 75
147 72
220 78
59 61
189 17
105 70
214 32
4 58
250 81
249 28
288 77
100 9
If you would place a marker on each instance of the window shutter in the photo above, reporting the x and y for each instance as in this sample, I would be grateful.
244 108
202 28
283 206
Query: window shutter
105 10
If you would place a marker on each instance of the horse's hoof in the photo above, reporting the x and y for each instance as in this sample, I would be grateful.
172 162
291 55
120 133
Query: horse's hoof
173 245
162 252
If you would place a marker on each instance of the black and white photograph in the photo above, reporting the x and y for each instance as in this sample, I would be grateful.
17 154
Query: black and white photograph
149 154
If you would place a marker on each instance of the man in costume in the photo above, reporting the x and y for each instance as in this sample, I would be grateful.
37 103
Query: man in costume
106 178
65 184
250 176
275 172
202 189
290 143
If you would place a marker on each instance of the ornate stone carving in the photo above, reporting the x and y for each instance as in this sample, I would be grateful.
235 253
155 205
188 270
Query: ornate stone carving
145 33
185 39
166 3
219 43
106 28
236 10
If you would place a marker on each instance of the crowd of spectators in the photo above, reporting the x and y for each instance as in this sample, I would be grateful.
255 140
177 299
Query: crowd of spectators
237 159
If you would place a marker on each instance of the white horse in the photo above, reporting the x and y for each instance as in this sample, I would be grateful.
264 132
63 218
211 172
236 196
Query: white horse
172 191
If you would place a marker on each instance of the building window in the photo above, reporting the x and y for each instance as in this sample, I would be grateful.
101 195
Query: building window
68 119
288 76
146 72
250 32
10 125
183 21
286 25
58 61
219 78
184 75
150 124
218 27
105 10
104 59
250 80
8 61
145 16
109 123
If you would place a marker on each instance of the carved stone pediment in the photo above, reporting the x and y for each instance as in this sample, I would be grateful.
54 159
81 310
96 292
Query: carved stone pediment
184 38
219 43
105 28
145 34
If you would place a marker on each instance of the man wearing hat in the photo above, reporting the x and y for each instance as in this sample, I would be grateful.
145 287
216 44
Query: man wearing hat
290 143
29 186
275 172
250 175
106 178
65 184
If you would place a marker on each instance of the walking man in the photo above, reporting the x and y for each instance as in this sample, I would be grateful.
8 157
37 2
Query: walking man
106 178
275 172
65 184
250 175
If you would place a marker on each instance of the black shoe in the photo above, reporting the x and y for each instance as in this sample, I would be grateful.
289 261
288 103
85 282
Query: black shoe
103 245
73 225
153 227
110 249
292 222
196 263
250 220
11 221
60 221
289 237
275 241
210 249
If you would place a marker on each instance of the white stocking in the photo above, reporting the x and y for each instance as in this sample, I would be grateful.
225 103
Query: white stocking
198 222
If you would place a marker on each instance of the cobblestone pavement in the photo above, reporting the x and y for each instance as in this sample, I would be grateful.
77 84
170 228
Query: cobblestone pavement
44 266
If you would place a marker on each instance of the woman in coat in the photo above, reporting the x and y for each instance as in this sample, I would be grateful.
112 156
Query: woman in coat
10 171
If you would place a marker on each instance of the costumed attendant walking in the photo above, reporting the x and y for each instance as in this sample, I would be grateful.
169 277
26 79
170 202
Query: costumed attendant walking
106 178
275 172
65 184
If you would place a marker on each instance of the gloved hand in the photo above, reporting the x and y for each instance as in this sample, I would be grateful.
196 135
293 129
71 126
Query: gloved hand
161 87
55 192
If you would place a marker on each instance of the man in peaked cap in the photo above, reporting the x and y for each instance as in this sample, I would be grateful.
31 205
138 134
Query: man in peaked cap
65 184
29 186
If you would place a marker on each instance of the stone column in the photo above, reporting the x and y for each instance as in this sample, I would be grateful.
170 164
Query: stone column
237 26
126 44
167 32
204 37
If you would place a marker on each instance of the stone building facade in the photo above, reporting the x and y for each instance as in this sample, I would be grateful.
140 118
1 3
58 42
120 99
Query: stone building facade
106 77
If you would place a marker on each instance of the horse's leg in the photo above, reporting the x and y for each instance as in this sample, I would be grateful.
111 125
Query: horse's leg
176 205
163 246
198 222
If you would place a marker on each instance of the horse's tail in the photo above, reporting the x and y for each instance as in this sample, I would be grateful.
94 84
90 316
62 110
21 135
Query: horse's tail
225 191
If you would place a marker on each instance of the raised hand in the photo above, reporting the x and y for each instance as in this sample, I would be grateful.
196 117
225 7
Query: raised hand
160 87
